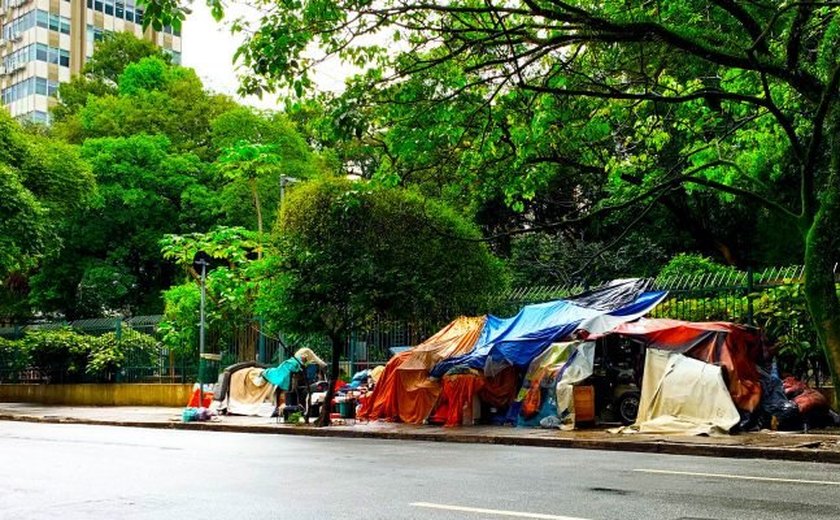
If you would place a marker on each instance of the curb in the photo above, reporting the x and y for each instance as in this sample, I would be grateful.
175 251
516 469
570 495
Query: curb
658 446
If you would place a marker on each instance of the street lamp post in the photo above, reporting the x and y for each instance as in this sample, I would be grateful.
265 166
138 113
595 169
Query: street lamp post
201 262
284 180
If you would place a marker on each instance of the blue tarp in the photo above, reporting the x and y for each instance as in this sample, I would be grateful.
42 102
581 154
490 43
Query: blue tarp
518 340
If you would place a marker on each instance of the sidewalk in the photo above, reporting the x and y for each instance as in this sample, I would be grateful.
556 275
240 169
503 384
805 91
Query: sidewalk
814 447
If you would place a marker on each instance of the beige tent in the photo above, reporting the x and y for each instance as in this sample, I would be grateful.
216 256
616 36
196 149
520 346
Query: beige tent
682 395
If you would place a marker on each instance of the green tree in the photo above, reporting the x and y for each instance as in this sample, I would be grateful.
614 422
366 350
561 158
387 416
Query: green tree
345 251
257 150
146 190
99 76
42 183
151 97
249 162
753 84
231 286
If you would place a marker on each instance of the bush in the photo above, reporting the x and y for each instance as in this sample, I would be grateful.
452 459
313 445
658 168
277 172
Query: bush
783 314
66 356
109 355
61 354
13 359
688 265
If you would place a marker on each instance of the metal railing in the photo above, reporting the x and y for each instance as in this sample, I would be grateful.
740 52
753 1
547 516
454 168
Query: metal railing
730 295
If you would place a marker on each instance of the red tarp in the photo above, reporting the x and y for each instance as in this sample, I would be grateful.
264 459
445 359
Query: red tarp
404 391
737 348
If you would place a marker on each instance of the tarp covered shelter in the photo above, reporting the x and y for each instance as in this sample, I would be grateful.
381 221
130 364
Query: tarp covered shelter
516 341
404 391
683 395
242 390
737 348
546 389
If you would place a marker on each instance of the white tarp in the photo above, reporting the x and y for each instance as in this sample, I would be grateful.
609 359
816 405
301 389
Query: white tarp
682 395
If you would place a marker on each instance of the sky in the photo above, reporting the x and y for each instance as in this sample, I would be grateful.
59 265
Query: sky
208 47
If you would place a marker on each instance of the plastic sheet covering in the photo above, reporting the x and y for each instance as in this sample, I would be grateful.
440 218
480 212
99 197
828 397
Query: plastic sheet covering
550 374
518 340
499 390
376 373
248 392
735 347
457 397
681 395
614 295
404 391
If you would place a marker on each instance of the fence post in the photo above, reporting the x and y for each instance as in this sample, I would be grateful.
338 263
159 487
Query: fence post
118 329
261 341
352 351
750 291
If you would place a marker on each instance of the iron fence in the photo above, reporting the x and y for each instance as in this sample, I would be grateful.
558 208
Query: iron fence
726 296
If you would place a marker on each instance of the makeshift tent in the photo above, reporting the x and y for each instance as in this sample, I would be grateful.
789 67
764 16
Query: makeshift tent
547 388
463 390
404 391
737 348
242 390
518 340
683 395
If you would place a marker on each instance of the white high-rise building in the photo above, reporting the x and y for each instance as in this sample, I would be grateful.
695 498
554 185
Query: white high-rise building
45 42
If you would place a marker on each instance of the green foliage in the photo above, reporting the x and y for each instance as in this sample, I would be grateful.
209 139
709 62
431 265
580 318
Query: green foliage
109 353
61 354
152 97
179 326
147 74
257 150
347 250
42 182
118 50
230 287
555 259
102 70
66 356
689 265
114 262
711 305
782 313
13 358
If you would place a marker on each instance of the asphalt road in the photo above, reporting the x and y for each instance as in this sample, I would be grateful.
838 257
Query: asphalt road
92 472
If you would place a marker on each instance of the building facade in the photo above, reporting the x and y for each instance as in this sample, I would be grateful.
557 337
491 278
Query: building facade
46 42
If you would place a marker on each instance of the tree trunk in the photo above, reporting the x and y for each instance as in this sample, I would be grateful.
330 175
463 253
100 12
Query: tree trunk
258 207
821 245
337 347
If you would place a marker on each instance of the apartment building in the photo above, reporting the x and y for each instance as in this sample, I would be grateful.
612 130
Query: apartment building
45 42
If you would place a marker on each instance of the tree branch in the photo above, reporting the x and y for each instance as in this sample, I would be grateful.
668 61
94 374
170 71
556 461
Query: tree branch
747 21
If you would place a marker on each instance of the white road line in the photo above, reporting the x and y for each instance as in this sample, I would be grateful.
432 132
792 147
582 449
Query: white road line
498 512
739 477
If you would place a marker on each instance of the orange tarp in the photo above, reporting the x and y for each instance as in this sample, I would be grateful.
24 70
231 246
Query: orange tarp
459 390
404 391
458 393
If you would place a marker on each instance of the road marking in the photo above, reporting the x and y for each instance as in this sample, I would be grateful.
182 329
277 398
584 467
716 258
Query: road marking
498 512
739 477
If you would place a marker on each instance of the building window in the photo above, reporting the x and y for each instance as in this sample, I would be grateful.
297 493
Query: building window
53 22
29 87
17 26
109 7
